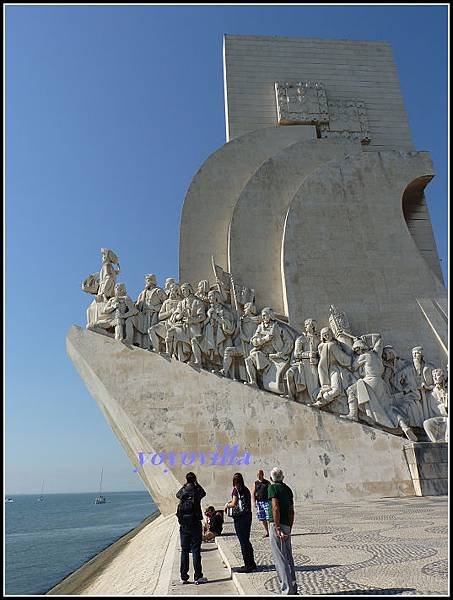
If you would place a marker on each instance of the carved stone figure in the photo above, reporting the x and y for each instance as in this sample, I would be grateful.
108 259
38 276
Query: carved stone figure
370 394
148 304
168 283
406 401
437 426
158 333
203 291
416 380
393 369
186 323
438 396
102 285
248 322
108 273
118 314
219 327
302 376
333 368
272 345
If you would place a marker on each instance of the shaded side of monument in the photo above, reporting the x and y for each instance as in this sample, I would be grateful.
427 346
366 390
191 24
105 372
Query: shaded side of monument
156 406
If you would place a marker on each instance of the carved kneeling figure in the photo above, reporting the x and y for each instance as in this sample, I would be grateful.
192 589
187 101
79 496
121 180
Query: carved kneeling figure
370 394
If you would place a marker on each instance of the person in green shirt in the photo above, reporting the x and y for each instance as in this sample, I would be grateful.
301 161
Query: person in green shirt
281 519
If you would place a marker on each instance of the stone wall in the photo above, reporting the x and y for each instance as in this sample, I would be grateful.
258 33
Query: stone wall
156 405
349 70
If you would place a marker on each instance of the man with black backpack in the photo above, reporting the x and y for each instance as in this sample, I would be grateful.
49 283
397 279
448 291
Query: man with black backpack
189 517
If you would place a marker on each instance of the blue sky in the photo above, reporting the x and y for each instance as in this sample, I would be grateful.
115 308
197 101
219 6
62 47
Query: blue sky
110 111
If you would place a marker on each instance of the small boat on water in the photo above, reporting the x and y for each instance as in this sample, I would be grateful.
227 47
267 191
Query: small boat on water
41 497
9 499
100 499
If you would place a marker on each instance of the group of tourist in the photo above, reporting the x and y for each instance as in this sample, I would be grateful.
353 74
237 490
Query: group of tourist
274 505
219 328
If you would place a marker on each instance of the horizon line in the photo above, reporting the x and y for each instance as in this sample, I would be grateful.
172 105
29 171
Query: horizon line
87 492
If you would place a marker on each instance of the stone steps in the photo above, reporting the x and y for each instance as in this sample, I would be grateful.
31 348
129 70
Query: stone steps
219 576
428 465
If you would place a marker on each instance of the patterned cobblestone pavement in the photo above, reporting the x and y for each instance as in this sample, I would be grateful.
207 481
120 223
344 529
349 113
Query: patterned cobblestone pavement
395 546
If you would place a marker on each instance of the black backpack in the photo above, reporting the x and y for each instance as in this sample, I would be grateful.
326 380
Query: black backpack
186 508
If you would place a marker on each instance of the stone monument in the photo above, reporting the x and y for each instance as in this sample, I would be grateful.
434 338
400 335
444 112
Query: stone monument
308 272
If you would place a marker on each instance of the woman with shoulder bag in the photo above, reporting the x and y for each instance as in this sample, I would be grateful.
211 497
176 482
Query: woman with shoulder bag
240 508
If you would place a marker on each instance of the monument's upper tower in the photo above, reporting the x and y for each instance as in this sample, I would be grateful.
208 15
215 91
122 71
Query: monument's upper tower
317 197
345 88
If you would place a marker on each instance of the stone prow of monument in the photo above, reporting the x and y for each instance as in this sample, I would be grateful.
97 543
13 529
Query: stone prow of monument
316 199
159 406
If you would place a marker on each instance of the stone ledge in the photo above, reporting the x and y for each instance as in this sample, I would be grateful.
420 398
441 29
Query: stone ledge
240 580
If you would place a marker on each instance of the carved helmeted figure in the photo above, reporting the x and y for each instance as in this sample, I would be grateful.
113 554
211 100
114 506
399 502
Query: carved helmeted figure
333 368
272 345
148 304
218 329
186 323
437 425
248 322
370 394
119 313
158 333
302 376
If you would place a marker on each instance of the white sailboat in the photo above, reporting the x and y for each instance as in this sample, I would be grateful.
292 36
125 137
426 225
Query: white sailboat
41 497
100 499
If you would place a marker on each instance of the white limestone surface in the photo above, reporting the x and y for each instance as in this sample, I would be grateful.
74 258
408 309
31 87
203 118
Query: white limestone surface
258 220
348 69
141 566
346 243
213 193
158 405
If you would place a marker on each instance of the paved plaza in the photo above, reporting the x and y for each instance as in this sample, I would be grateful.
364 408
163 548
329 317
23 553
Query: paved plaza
388 546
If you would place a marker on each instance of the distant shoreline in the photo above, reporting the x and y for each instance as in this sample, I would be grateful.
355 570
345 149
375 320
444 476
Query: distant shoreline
94 492
75 581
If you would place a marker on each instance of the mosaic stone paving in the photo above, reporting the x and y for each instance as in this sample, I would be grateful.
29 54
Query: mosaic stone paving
395 546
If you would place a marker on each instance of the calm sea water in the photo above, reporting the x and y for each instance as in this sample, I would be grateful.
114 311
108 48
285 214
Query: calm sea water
45 541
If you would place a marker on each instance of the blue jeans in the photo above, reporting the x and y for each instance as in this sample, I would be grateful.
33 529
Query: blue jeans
190 536
242 526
